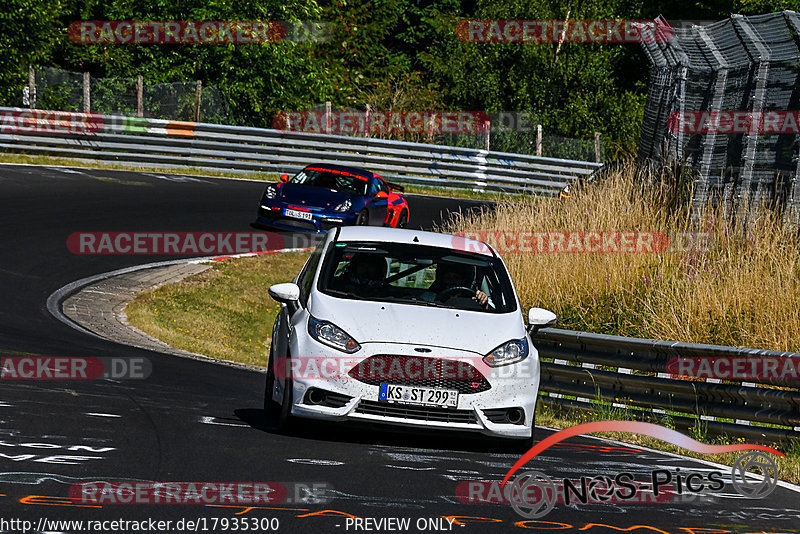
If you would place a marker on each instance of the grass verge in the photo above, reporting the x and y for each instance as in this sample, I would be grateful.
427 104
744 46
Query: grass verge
223 312
739 287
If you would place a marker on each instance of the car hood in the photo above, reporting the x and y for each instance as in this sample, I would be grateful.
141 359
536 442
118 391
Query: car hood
383 322
312 197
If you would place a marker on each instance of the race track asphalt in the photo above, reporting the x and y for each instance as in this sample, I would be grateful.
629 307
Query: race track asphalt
194 421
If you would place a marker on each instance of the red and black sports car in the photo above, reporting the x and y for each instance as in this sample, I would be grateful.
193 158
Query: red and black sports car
321 197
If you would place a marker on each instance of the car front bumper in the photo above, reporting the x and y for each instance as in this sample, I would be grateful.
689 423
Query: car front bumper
349 398
320 222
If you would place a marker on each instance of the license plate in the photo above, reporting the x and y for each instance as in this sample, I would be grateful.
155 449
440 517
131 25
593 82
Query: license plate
297 214
417 395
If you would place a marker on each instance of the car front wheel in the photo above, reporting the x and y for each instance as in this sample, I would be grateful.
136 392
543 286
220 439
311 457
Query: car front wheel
363 218
271 408
285 418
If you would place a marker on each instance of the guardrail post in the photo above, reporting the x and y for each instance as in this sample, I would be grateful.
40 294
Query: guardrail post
139 96
539 140
366 121
328 117
31 88
87 97
198 94
598 156
487 124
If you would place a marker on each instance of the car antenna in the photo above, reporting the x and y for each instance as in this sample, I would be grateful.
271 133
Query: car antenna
416 239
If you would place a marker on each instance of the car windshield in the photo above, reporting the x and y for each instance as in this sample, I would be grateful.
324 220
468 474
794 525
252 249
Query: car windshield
331 179
416 274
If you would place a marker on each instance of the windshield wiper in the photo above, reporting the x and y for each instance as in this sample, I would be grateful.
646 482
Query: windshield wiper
440 305
344 294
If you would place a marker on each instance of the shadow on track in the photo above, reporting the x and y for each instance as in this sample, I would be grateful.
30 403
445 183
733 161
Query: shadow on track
378 434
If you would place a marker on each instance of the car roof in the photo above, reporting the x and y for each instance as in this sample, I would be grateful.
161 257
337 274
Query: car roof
420 237
344 168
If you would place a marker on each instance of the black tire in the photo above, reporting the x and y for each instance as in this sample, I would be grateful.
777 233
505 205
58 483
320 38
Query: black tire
271 408
402 220
285 417
363 218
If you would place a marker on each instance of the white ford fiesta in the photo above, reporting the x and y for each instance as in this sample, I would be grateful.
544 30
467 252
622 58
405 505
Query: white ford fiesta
404 327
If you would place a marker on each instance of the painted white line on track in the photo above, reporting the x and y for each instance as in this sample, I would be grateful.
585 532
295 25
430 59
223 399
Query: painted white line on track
208 420
314 461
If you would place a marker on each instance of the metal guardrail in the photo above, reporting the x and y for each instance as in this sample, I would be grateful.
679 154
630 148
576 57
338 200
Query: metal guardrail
633 375
154 142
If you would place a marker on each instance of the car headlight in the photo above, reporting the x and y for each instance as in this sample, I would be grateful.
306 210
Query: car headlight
329 334
344 206
271 192
509 352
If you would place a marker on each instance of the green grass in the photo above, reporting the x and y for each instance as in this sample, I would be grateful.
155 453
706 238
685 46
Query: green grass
223 312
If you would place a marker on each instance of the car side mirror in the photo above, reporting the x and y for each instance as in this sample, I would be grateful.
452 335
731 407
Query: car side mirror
284 177
286 293
540 318
382 194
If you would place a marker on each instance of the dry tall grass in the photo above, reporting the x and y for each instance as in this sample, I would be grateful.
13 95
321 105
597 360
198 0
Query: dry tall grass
743 289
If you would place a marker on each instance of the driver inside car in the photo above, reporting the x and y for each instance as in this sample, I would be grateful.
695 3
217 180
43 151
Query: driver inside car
365 274
454 275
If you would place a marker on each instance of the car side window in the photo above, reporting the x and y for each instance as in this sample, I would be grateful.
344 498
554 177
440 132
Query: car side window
384 187
306 277
373 188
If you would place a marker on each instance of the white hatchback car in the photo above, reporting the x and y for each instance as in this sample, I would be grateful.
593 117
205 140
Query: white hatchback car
404 327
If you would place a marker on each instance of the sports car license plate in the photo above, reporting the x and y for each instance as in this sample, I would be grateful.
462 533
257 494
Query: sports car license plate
297 214
417 395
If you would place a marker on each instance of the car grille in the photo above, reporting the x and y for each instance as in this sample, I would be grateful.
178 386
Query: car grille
435 373
417 413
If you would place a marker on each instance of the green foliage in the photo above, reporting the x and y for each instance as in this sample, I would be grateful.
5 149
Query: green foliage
389 53
28 34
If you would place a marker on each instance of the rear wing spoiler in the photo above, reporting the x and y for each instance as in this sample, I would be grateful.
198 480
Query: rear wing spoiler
396 187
